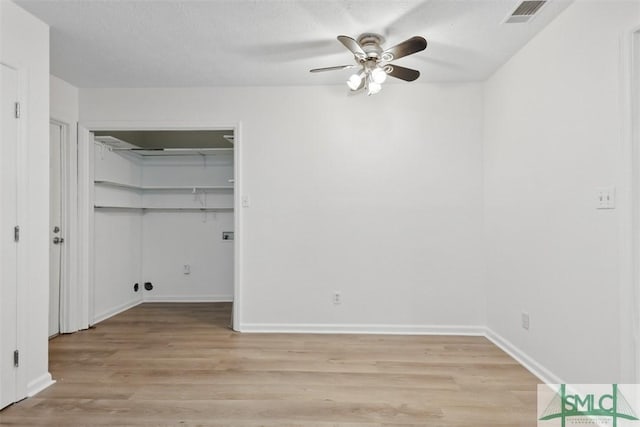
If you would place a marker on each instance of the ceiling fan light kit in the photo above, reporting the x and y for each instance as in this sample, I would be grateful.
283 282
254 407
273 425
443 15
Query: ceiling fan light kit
374 62
355 81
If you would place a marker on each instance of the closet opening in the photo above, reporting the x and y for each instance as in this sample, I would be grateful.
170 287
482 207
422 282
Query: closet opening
162 218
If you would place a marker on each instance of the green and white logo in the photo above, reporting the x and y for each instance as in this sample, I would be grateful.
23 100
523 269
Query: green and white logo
587 404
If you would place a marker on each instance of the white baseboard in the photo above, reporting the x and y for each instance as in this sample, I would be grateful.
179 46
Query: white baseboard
39 384
188 298
530 364
116 310
362 329
545 375
542 373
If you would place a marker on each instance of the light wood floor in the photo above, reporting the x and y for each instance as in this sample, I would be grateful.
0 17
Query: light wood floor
178 364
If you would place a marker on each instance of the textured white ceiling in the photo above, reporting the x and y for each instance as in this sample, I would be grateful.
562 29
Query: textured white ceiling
150 43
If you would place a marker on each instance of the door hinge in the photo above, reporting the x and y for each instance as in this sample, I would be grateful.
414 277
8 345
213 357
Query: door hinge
16 358
16 233
17 104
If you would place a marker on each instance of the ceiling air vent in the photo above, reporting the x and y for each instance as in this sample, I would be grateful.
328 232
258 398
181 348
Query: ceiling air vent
525 11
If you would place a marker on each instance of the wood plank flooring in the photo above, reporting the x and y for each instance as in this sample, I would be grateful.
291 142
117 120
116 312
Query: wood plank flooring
179 364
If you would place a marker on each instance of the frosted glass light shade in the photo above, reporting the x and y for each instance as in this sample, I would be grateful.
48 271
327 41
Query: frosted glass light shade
354 82
374 88
378 75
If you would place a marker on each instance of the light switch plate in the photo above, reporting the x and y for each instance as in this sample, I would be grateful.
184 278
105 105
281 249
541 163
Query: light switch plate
605 197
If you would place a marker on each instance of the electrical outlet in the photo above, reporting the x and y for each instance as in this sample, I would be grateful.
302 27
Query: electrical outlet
525 321
337 298
186 269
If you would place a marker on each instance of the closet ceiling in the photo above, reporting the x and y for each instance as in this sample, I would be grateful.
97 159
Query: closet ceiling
179 43
173 139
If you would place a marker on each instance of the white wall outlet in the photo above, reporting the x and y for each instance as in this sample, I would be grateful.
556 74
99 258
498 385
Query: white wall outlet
605 197
186 269
525 321
337 298
245 201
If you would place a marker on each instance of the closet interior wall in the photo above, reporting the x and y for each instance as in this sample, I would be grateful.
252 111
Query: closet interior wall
160 220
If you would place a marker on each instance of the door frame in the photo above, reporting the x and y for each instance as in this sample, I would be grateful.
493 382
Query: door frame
631 86
629 229
85 217
69 185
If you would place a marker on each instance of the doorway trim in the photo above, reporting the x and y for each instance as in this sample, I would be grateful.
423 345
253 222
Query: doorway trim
633 108
629 229
85 163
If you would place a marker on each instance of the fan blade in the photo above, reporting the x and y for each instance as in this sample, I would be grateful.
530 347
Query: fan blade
337 67
407 47
402 73
353 46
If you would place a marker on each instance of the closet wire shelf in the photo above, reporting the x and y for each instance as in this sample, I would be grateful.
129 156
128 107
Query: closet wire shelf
158 208
167 187
191 188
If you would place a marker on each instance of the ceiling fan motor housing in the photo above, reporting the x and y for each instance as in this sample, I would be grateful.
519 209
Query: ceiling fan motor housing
370 43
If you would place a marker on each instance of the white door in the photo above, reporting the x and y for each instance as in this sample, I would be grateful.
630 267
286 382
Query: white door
55 227
8 237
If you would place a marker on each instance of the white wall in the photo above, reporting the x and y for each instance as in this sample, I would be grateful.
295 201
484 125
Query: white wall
117 235
64 102
24 44
172 239
553 133
376 197
118 261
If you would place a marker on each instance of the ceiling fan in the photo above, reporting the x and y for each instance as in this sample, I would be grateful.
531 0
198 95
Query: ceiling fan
374 61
